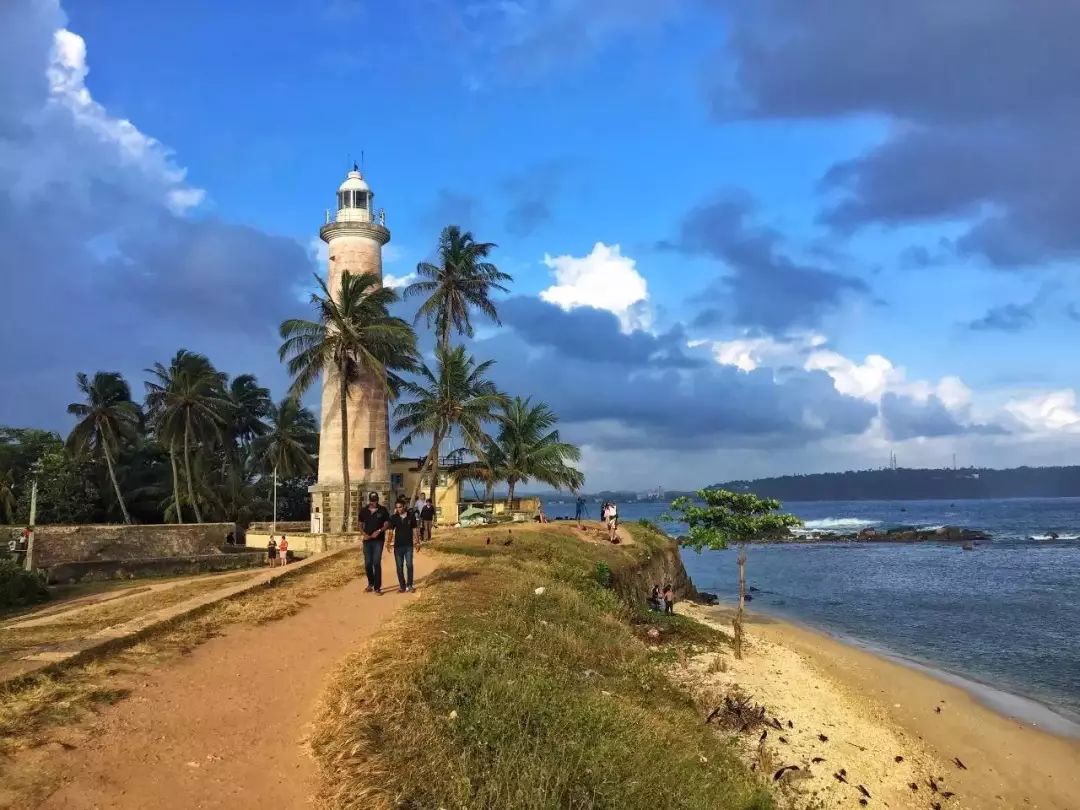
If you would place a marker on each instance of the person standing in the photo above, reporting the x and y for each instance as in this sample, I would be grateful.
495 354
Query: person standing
613 523
283 550
669 599
271 552
374 520
579 510
403 524
427 520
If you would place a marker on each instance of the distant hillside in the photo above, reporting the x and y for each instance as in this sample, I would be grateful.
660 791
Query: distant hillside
907 484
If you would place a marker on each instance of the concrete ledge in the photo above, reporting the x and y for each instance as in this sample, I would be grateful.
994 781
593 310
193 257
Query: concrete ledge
128 633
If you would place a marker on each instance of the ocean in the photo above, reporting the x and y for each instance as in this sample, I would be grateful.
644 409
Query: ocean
1006 615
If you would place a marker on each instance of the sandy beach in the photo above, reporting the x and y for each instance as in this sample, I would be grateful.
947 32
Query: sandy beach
883 732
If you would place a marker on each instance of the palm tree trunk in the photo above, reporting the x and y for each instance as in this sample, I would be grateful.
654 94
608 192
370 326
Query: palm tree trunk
738 623
175 483
489 492
420 476
510 494
187 469
346 505
116 486
434 467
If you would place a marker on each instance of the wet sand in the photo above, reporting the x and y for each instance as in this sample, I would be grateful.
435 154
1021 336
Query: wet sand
873 709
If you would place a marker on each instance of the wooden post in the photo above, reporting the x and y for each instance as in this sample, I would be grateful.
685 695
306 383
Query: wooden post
738 623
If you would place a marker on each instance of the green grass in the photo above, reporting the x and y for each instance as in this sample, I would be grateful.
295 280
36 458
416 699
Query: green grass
487 695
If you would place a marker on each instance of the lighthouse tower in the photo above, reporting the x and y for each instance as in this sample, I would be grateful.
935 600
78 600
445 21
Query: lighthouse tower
355 236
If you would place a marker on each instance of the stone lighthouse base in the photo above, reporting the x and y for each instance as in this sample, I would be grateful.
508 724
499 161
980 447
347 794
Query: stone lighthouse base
328 501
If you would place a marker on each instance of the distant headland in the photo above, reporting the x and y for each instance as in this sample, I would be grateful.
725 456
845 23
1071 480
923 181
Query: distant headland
917 484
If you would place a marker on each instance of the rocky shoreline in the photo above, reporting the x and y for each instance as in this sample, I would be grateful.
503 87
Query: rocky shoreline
897 534
969 538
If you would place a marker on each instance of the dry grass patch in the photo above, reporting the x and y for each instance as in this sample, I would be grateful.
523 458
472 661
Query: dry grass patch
486 694
31 709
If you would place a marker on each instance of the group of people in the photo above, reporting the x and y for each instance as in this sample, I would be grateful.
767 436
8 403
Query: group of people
277 552
662 600
405 528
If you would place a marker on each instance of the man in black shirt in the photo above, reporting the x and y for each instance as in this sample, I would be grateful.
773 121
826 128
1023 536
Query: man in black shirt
375 520
427 520
403 522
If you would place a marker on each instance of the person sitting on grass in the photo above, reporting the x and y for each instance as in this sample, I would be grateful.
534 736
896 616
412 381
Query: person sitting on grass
403 525
654 599
271 553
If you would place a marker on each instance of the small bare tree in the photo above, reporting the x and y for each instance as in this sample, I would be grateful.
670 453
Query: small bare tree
724 517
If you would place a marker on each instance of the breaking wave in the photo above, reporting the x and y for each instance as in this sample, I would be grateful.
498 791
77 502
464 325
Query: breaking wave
839 523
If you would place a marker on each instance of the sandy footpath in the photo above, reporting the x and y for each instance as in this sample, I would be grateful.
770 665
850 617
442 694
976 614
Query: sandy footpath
226 726
873 710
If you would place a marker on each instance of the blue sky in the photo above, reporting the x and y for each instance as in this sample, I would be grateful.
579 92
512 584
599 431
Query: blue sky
836 235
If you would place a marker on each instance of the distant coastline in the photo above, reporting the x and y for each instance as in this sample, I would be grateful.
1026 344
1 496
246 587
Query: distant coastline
903 484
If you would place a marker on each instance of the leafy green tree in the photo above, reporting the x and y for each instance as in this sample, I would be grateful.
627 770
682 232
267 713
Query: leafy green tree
726 517
67 492
290 442
528 448
7 495
455 396
188 403
106 417
353 337
462 281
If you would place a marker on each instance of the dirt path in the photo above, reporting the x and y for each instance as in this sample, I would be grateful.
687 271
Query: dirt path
225 726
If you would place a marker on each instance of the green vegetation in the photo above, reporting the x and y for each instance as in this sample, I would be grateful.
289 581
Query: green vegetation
520 681
18 587
354 338
528 448
456 396
731 517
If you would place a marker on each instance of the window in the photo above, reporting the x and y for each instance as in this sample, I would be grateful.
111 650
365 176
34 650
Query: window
361 199
342 199
369 457
397 480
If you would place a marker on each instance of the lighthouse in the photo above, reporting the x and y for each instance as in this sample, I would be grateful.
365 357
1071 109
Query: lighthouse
355 236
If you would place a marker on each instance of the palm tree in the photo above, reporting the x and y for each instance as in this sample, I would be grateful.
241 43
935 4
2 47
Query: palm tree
249 403
529 448
456 395
461 281
107 416
7 495
289 444
188 403
354 338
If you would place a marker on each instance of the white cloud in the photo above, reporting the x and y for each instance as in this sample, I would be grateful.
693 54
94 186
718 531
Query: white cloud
390 280
749 353
1048 412
67 74
604 279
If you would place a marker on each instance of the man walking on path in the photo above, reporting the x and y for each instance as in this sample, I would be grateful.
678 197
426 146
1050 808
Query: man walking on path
579 509
427 520
375 520
403 522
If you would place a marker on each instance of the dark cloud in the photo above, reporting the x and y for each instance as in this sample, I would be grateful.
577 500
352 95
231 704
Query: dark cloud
1006 318
100 268
611 404
981 94
453 208
766 287
594 335
905 417
532 195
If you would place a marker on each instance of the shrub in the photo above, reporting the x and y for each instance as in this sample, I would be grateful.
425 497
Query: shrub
19 588
603 574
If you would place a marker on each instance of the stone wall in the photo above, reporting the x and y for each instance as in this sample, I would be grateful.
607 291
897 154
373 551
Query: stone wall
67 544
95 570
283 526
